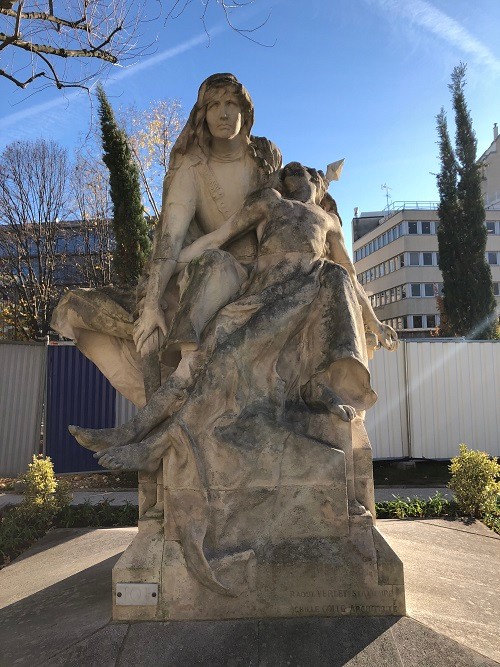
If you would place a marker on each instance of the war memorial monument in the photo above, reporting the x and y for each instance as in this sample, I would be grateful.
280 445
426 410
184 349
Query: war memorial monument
245 347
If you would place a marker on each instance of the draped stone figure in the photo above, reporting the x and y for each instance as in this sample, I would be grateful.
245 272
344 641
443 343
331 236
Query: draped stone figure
266 464
214 164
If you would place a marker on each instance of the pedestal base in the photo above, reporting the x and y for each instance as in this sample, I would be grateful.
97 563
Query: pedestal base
358 575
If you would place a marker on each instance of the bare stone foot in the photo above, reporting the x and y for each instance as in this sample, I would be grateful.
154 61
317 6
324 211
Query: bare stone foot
134 456
346 412
98 439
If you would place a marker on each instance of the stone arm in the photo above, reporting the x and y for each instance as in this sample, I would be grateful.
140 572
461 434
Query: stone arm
254 211
338 253
178 209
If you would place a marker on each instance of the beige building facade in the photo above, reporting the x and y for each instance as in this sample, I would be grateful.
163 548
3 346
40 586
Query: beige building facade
396 257
490 163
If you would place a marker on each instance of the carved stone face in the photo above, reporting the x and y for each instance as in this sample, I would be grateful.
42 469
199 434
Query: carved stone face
298 183
224 116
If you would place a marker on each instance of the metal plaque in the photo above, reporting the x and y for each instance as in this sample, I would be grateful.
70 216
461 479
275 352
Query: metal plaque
136 594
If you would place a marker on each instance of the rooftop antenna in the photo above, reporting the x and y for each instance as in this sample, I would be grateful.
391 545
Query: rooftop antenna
387 196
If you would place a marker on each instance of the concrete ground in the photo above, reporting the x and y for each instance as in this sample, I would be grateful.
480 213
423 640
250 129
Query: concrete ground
55 608
120 497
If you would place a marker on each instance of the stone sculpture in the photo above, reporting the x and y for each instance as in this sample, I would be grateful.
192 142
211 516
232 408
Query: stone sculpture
267 479
214 164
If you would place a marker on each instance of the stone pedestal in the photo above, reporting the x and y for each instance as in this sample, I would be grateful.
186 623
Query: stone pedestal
283 543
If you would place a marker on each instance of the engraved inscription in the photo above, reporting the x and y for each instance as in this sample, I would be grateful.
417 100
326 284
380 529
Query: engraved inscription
345 593
313 602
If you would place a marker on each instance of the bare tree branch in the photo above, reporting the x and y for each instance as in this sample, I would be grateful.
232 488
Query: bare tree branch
87 35
32 47
21 84
79 24
88 31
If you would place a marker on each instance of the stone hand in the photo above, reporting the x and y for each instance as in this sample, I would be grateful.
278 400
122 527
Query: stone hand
386 335
149 320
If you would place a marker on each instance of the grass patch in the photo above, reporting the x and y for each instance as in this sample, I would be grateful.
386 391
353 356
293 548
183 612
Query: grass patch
21 526
102 515
434 507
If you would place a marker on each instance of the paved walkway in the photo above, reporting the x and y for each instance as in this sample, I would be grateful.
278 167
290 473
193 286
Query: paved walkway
121 497
55 606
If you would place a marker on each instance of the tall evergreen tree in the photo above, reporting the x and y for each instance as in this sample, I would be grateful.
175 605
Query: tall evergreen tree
129 222
468 303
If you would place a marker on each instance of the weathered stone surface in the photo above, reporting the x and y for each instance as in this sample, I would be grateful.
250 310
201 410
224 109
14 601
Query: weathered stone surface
257 436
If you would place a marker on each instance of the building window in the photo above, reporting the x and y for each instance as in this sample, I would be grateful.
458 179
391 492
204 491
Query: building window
431 321
413 258
426 227
427 258
492 258
490 226
415 289
417 322
412 228
428 289
496 289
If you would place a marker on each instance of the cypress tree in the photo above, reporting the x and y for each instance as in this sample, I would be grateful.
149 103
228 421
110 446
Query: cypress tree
468 304
132 243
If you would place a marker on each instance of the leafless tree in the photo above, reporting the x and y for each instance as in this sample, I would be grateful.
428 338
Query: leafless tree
33 199
228 8
69 43
90 192
66 42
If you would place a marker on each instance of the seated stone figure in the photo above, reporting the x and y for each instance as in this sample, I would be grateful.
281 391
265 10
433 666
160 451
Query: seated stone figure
250 433
215 163
326 241
299 244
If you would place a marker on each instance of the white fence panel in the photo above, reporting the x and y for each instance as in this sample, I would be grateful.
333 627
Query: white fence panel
453 396
22 385
386 422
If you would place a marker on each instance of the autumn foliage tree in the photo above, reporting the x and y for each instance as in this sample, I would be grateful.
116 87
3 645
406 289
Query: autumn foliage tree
152 133
132 242
468 303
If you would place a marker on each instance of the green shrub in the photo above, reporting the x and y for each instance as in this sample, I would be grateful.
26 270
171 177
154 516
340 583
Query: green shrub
44 497
41 488
475 482
40 482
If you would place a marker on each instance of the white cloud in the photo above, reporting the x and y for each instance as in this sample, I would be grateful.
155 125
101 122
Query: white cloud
427 16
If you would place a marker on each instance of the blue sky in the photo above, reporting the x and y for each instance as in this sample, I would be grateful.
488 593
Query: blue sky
359 79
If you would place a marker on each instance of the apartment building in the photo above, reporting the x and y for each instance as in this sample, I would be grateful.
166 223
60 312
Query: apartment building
490 163
396 254
396 257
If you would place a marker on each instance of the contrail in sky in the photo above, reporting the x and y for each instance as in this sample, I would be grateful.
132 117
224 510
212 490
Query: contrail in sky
426 15
40 109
